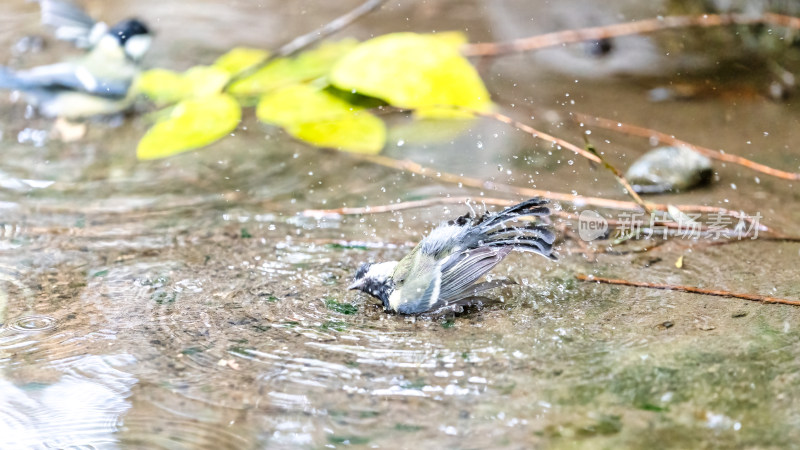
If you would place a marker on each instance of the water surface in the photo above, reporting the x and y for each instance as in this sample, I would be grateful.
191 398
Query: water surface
187 303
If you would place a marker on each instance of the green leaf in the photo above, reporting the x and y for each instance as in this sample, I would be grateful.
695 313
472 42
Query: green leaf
193 123
322 119
282 72
165 86
239 59
409 70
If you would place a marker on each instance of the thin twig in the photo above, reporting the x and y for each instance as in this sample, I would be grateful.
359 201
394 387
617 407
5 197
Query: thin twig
592 156
579 200
620 178
537 134
691 289
615 125
623 29
428 202
400 206
302 42
424 203
570 198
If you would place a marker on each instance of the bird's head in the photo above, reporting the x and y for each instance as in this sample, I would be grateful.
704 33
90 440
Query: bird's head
133 36
376 280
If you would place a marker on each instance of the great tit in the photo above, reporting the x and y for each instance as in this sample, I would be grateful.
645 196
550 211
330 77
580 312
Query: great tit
442 269
96 84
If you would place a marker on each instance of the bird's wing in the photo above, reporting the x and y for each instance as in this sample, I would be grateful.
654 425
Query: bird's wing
70 22
419 294
418 281
462 270
71 76
471 295
434 287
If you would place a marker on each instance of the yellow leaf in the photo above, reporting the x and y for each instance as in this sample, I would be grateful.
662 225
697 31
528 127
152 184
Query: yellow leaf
239 59
165 86
160 85
200 81
679 262
193 123
281 72
428 131
322 119
409 70
454 38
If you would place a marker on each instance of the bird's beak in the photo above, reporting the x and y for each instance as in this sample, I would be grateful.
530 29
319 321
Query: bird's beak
355 285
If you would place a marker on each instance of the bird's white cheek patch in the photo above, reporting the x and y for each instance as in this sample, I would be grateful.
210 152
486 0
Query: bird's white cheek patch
137 46
395 299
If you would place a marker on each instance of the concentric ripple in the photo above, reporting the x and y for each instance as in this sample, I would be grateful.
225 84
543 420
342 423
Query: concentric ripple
32 324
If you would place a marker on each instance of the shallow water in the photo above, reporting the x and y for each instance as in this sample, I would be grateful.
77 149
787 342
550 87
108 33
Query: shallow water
186 303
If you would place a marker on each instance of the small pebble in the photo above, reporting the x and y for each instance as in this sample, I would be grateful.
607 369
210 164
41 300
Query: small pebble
666 325
669 169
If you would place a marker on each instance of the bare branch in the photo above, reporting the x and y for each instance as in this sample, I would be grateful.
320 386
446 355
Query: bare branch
302 42
690 289
623 29
633 130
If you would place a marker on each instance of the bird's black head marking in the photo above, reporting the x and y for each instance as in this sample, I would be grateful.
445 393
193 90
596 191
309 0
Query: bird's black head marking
127 29
461 221
362 271
378 287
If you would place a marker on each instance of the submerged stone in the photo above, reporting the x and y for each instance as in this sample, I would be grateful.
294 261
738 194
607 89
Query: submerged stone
669 169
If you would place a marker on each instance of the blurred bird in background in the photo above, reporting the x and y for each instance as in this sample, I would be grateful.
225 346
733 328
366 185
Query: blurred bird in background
95 84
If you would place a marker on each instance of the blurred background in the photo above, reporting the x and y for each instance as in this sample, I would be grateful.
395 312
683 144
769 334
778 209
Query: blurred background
188 302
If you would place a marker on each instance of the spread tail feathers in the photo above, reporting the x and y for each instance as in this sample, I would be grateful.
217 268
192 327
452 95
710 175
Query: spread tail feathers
491 230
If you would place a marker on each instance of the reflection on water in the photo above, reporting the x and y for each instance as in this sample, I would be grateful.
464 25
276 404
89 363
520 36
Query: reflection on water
81 406
186 304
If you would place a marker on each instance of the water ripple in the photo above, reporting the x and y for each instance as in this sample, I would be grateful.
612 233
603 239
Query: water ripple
164 419
32 324
79 406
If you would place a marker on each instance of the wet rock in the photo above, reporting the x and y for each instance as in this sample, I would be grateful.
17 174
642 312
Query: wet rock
706 326
669 169
665 325
648 260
